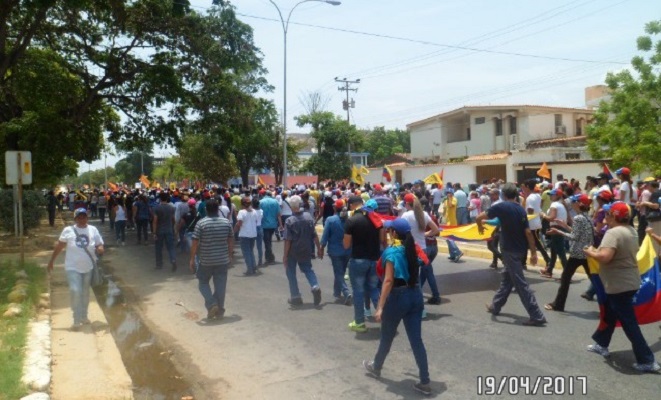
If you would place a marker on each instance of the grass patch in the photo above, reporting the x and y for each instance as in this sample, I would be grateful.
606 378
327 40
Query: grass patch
13 331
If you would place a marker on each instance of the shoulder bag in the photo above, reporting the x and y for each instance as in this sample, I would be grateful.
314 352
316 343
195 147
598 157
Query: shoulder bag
97 278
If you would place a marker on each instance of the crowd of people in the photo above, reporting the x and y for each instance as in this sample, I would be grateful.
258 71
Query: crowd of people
383 239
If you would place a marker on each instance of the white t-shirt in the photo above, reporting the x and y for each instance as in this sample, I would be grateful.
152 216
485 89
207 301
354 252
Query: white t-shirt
534 202
625 189
437 195
561 212
260 214
418 235
285 210
76 259
120 214
248 223
225 212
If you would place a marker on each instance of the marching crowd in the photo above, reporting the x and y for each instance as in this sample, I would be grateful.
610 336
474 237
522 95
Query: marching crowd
384 237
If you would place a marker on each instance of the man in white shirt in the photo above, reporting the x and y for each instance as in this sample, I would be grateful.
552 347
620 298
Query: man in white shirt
437 197
534 207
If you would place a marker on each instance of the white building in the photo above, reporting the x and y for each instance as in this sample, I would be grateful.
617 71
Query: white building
505 142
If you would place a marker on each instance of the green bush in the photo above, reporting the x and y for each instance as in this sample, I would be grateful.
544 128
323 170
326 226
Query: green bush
33 208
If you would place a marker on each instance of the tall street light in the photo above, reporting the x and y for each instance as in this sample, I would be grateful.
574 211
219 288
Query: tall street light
285 28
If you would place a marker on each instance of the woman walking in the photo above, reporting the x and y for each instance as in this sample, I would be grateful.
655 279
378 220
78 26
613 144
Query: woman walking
260 232
120 222
580 234
401 300
246 227
82 241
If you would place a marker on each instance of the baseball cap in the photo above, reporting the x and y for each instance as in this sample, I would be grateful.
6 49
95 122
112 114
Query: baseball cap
449 191
192 202
262 192
418 182
409 198
339 203
623 170
371 204
649 179
605 195
378 187
619 209
399 225
554 192
603 175
79 211
581 198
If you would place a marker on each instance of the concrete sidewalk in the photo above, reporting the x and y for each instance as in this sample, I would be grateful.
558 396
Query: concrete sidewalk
86 364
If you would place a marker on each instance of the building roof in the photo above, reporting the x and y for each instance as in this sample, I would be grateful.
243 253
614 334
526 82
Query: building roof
397 158
269 179
518 107
558 142
488 157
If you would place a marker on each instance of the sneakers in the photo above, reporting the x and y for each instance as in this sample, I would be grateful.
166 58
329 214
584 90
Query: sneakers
368 312
371 371
434 301
587 297
86 321
649 367
422 388
424 313
174 266
76 327
360 328
456 259
316 294
296 301
493 265
348 300
213 312
534 322
602 351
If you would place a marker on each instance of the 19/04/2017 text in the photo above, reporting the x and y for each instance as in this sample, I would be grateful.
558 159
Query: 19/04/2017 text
527 385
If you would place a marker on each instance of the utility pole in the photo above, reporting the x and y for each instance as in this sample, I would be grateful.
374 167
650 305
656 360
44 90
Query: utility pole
346 105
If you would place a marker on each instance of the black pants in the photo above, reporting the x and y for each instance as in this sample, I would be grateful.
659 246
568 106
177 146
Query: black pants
493 246
51 217
142 229
102 214
565 280
536 234
642 225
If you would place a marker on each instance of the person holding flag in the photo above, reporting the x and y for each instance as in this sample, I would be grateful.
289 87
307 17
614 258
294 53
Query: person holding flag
618 271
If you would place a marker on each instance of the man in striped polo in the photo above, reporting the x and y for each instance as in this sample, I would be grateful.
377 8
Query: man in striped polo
214 238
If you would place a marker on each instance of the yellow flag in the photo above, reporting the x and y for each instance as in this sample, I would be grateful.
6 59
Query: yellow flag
544 172
260 181
364 170
144 180
433 178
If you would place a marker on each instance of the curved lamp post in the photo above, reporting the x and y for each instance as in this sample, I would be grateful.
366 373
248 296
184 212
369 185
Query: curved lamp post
285 28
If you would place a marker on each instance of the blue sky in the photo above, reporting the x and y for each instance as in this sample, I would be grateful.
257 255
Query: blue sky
411 75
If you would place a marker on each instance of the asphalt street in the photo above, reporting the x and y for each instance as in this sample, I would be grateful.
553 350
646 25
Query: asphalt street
262 349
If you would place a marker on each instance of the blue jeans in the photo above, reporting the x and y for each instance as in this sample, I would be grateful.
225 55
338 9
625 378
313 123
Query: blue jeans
453 249
427 271
79 289
558 250
120 230
619 307
403 304
339 269
168 239
247 245
258 241
219 275
268 244
306 268
362 273
462 215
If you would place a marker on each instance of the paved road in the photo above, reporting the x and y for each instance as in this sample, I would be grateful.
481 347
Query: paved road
264 350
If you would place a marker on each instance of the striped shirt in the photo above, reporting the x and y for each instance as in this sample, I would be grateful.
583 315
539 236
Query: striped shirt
213 233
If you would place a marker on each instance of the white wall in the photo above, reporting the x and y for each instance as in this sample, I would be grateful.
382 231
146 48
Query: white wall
423 138
462 173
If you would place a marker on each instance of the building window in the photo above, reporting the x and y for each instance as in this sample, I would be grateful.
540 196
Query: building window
513 126
572 156
480 120
468 133
579 127
499 126
558 119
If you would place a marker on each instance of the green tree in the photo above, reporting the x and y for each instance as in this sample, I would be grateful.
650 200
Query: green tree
154 62
129 169
332 135
381 143
627 128
172 170
206 161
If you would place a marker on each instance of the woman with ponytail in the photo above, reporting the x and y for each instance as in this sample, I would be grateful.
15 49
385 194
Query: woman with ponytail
422 227
401 300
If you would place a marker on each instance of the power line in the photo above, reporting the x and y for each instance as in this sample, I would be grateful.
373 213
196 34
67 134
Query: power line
430 43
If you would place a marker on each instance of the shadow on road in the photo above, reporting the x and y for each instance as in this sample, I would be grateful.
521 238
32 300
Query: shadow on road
229 319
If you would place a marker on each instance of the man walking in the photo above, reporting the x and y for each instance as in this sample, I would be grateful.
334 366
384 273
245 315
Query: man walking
213 242
299 232
270 222
516 239
163 228
462 204
365 241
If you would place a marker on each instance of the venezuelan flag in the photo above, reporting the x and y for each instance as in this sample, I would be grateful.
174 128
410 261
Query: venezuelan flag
607 171
470 232
647 302
387 173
